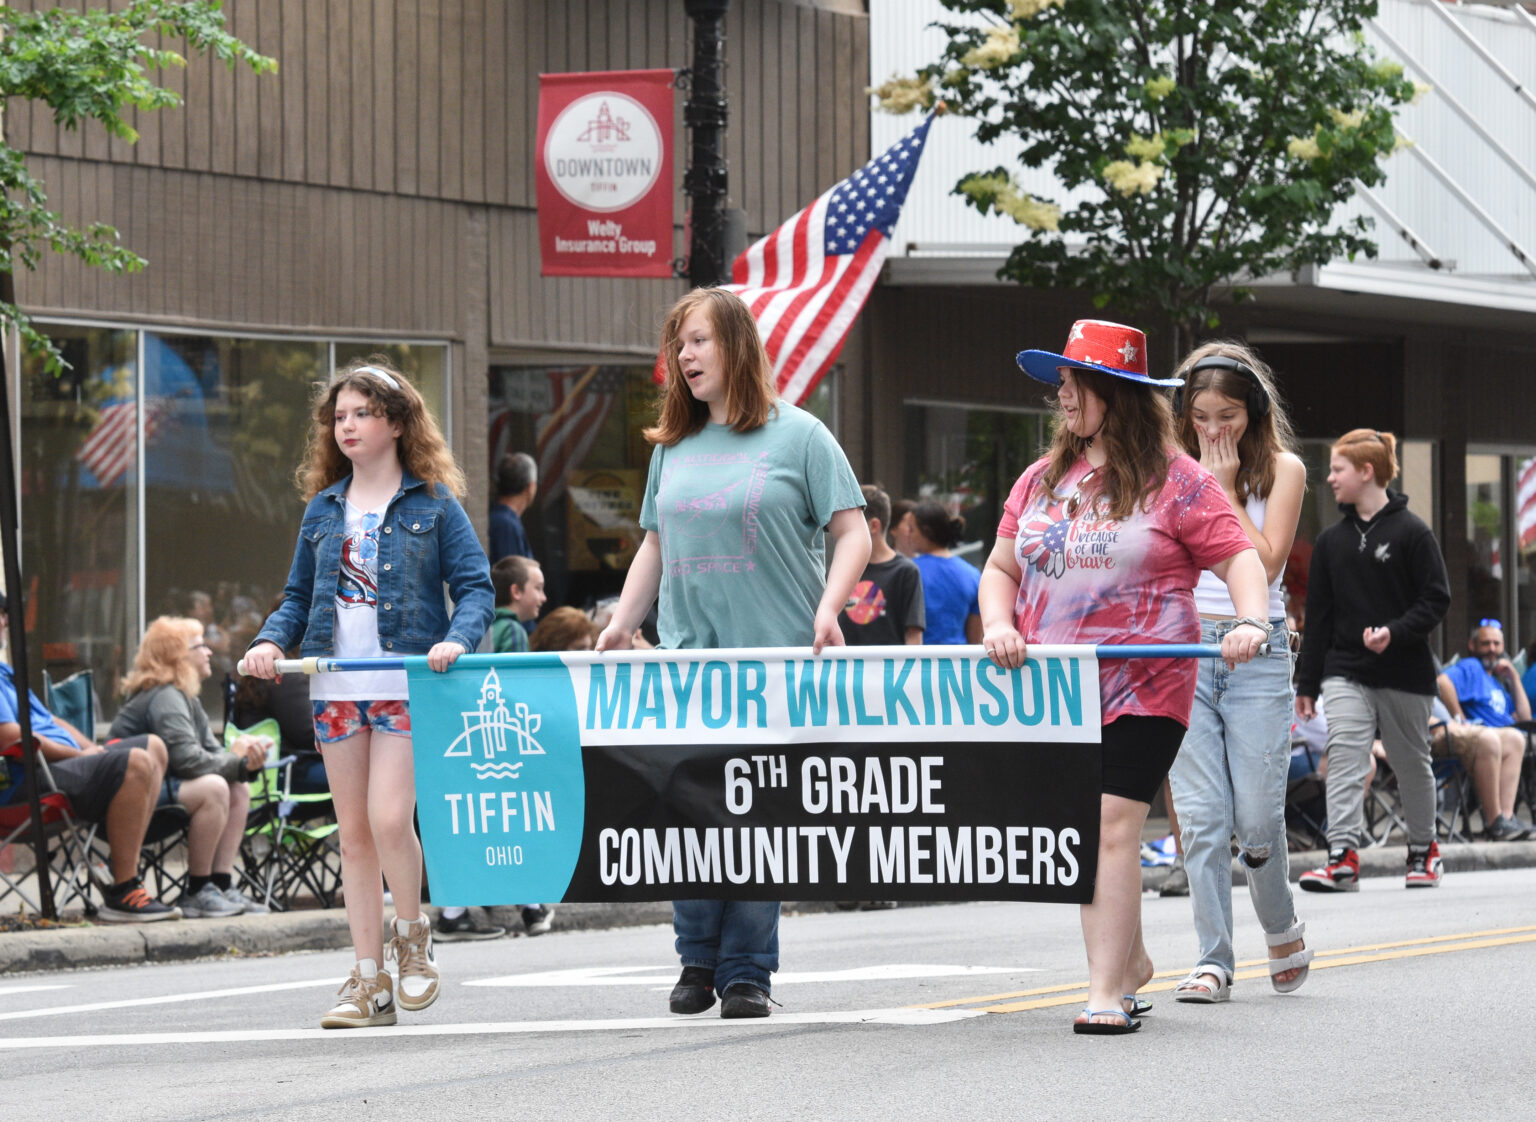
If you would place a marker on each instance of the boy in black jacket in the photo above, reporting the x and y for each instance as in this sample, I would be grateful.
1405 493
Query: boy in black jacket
1376 589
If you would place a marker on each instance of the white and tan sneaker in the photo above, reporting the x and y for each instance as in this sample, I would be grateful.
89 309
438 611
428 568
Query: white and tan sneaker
415 962
366 1002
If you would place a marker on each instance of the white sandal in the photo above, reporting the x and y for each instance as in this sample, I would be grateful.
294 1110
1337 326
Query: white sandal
1298 960
1197 989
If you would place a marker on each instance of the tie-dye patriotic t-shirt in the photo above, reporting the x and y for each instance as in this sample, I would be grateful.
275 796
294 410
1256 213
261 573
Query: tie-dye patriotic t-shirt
1092 579
357 616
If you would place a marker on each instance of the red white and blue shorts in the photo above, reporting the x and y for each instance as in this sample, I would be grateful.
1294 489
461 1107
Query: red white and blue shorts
337 720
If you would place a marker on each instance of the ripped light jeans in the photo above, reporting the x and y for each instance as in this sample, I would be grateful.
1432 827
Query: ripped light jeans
1230 778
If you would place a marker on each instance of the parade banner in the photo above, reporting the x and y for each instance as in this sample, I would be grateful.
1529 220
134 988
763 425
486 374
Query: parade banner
604 174
886 773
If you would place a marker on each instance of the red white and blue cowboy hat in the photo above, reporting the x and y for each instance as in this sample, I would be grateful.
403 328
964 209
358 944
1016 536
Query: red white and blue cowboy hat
1094 344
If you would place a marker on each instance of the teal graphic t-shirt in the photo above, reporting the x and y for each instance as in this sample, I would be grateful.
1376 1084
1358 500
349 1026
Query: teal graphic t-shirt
741 519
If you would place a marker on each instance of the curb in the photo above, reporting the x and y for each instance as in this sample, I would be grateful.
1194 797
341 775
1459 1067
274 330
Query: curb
84 946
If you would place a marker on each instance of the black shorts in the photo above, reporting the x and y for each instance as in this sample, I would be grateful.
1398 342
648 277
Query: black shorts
93 781
1136 753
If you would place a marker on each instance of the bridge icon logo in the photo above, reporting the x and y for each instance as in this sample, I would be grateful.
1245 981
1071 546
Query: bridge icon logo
496 734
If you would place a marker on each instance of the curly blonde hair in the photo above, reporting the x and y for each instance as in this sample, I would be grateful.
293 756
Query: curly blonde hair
423 451
161 659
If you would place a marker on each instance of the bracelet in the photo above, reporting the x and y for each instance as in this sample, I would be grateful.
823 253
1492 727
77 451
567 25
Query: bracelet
1262 624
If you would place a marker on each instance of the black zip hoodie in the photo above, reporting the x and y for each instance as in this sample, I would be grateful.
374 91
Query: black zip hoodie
1387 572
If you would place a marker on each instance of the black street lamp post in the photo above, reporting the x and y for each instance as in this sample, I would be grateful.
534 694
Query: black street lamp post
705 115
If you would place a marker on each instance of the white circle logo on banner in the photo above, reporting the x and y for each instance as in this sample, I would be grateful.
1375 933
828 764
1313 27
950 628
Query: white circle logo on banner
604 151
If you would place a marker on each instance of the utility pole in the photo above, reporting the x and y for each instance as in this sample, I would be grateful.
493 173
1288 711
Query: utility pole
705 114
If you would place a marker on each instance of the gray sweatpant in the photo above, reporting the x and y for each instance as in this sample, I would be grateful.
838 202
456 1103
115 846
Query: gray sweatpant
1355 713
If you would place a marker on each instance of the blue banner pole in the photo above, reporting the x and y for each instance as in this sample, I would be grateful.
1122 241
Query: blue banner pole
552 659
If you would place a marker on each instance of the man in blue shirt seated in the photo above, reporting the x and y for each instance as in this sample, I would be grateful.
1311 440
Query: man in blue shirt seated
116 786
1485 690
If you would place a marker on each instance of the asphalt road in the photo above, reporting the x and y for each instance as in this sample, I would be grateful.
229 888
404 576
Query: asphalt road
1417 1008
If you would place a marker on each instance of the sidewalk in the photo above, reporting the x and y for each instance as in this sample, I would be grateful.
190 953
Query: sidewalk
76 947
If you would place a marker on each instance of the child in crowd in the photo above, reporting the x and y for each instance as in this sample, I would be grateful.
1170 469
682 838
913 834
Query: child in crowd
519 585
886 607
381 485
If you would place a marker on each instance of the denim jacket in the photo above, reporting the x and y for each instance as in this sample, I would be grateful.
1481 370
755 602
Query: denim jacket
426 540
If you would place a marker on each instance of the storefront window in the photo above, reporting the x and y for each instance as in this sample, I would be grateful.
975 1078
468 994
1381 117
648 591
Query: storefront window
79 470
425 364
583 424
1501 523
969 459
225 425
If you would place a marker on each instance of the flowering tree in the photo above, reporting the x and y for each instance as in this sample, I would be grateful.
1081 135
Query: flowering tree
88 65
1214 140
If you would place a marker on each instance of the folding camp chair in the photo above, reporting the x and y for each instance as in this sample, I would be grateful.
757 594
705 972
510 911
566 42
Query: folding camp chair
290 848
1453 802
72 862
1306 807
73 699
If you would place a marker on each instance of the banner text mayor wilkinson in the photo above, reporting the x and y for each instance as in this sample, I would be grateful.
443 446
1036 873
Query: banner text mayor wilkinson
763 774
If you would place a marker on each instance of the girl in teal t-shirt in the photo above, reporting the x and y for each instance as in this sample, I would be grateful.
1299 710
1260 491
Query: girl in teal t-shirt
743 491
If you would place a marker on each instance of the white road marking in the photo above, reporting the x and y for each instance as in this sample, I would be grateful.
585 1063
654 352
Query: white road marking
166 999
908 1017
633 976
11 991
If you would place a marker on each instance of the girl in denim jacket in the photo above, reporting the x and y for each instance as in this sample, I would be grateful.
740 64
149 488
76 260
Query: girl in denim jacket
383 532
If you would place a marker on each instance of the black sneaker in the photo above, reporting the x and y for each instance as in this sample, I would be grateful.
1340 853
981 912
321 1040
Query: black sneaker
694 992
135 905
537 918
464 929
742 1000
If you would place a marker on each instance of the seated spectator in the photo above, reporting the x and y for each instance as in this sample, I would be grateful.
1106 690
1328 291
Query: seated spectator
564 629
114 786
161 697
284 699
519 586
1485 691
602 614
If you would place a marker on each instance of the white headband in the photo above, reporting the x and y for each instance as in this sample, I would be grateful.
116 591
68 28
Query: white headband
382 375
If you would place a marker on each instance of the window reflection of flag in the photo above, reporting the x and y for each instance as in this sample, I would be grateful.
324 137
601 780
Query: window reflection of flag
1525 505
582 400
109 450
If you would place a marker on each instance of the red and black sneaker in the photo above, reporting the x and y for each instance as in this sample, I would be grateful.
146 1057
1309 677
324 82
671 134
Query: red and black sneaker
134 905
1341 874
1424 869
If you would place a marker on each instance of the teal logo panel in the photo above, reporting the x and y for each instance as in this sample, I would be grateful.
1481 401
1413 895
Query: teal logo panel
499 786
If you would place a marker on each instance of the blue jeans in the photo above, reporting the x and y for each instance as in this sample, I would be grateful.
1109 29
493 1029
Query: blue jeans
1230 778
737 939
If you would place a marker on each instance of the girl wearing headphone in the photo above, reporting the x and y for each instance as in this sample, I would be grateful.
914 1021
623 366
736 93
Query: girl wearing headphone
1230 775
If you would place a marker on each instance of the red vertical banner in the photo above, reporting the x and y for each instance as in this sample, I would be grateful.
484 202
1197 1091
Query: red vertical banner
605 174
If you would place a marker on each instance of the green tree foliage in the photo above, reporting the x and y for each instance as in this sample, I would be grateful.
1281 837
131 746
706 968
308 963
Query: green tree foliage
1201 144
90 65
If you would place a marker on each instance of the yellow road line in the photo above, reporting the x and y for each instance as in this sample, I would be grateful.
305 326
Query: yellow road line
1050 996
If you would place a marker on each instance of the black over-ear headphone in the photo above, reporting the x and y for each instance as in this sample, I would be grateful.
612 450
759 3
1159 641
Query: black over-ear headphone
1258 396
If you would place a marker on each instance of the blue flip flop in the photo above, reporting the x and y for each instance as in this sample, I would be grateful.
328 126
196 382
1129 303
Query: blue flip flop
1091 1027
1140 1006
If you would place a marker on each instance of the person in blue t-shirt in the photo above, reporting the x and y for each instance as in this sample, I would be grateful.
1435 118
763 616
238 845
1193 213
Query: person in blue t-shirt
517 483
949 583
1486 690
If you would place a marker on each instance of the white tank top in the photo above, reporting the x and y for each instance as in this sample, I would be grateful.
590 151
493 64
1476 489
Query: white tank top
1211 597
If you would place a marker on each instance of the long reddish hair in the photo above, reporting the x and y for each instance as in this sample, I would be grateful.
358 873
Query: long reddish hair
1137 436
749 389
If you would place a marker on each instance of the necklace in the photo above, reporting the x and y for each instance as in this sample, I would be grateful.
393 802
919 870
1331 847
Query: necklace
1363 533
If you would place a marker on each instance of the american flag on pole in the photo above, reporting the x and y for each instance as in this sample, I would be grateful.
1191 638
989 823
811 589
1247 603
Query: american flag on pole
111 448
807 281
1525 508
